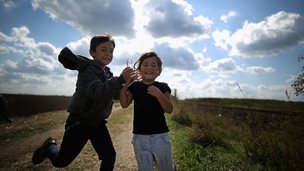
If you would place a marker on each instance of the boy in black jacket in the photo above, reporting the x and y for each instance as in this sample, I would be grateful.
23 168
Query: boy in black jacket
91 104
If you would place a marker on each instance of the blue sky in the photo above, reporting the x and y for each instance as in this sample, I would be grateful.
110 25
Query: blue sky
207 47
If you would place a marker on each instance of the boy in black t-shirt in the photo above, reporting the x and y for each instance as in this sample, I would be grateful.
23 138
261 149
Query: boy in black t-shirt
152 99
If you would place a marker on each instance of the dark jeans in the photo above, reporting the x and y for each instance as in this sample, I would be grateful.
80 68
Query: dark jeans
75 137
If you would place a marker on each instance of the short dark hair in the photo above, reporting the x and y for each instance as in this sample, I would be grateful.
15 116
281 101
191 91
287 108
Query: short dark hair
146 56
96 40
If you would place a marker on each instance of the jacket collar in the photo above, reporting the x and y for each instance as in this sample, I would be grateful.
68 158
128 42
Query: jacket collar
106 72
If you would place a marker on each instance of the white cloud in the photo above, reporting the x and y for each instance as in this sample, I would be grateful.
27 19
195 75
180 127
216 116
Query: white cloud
259 69
3 49
94 17
225 88
278 32
7 4
223 67
188 87
19 36
268 91
80 46
226 66
179 80
142 16
221 39
9 66
29 61
175 19
226 17
5 37
178 58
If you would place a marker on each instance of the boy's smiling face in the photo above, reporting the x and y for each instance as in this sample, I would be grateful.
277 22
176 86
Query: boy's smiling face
149 70
103 53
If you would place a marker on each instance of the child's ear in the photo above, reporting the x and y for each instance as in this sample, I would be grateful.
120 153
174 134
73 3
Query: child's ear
92 53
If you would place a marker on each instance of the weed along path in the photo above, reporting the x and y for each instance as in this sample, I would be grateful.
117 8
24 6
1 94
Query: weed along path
19 139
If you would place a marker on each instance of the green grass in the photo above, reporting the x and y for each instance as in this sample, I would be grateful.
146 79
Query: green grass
204 140
254 103
190 156
18 130
22 133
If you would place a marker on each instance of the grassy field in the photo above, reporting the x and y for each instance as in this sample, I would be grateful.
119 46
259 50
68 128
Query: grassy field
262 104
207 136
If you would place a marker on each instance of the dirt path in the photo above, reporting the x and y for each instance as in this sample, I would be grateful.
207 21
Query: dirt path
121 131
24 135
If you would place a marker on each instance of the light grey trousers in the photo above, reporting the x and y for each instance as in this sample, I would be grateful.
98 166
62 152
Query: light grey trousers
153 151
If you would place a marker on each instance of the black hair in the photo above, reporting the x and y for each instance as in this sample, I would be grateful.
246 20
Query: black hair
146 56
96 40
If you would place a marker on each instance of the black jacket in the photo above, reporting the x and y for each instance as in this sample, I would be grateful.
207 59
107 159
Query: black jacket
93 99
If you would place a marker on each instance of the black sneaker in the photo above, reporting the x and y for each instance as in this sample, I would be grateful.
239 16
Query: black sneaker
41 152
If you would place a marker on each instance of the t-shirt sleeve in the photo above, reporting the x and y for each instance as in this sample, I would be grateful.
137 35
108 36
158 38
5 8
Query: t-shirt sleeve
165 87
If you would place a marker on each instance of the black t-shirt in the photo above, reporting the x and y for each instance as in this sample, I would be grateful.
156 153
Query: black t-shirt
149 116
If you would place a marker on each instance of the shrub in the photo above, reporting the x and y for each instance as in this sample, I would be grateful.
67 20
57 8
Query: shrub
180 115
275 141
267 139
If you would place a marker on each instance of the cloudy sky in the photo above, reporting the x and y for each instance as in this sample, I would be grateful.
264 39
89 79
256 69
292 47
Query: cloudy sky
210 48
